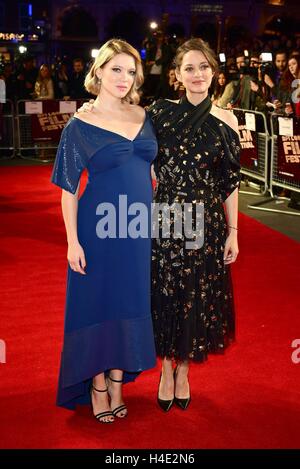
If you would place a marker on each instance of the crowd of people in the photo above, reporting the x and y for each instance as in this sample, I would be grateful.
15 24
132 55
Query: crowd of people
245 79
46 81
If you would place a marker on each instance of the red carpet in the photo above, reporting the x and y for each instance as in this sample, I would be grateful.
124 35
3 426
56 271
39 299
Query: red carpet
248 398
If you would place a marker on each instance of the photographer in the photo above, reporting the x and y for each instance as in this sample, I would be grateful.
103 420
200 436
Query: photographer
275 79
237 93
232 87
260 92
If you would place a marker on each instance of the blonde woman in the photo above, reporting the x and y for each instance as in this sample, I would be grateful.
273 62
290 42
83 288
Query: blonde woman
108 336
44 84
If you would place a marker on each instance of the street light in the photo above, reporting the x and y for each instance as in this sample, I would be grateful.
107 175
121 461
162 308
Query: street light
153 25
22 49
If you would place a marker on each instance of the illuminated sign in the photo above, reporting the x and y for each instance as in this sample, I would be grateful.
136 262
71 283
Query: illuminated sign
206 8
11 37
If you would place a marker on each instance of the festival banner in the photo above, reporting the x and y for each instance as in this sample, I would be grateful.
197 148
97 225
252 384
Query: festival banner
248 142
288 158
48 125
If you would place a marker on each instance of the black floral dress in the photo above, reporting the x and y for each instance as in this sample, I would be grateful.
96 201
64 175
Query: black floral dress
192 299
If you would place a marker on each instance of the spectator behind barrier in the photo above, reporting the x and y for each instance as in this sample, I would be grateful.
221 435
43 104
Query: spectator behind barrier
44 88
279 92
159 55
61 82
77 89
10 81
26 79
170 87
291 80
219 88
2 101
237 91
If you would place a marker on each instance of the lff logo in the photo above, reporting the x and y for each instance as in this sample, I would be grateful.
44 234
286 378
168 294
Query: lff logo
2 351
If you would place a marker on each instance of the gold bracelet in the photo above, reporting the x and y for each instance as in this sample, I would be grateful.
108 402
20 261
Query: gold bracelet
233 227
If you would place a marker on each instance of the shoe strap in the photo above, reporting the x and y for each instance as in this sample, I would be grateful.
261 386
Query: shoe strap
99 390
119 409
104 414
116 380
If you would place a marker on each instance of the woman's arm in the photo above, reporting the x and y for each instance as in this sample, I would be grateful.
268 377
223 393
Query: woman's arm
231 203
50 89
231 246
76 257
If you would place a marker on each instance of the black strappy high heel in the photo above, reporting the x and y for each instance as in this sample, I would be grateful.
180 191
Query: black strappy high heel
101 415
121 407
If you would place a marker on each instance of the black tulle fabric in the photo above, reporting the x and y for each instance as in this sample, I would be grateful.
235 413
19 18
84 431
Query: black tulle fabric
192 298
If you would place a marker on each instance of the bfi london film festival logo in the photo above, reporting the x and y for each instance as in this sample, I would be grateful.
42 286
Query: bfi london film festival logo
2 351
166 221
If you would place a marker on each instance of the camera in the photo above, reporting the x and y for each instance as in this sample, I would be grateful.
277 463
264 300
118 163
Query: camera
266 66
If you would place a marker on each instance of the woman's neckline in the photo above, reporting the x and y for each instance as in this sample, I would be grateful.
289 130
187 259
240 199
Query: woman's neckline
115 133
184 100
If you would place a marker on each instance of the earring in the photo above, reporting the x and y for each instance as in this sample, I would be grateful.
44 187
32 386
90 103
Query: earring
99 81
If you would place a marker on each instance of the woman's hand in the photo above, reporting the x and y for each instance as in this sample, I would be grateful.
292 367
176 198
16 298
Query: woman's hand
268 81
254 86
277 104
76 258
87 107
231 248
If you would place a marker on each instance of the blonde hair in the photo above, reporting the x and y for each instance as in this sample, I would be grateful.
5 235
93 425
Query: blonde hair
109 50
200 45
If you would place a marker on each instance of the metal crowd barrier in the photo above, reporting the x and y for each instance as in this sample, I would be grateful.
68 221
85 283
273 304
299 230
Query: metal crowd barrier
7 130
284 161
281 177
254 138
39 126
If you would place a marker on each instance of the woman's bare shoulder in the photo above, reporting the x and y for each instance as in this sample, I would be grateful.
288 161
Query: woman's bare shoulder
86 116
137 110
227 116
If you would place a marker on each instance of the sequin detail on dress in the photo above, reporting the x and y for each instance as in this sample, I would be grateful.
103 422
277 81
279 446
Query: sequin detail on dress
192 299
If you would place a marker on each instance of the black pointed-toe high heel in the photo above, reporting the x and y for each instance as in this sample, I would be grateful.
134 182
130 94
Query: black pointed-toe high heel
164 404
181 403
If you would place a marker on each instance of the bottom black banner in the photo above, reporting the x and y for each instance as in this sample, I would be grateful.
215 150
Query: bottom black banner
151 457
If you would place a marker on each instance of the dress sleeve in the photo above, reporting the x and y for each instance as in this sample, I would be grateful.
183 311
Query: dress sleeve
230 168
70 160
156 108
